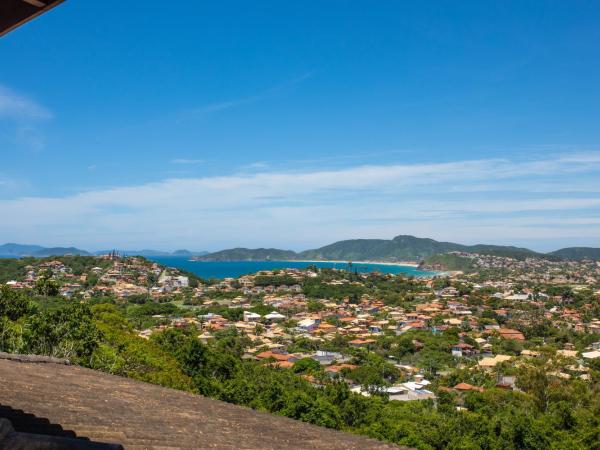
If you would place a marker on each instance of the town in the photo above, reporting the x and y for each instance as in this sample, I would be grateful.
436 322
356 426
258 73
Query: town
407 339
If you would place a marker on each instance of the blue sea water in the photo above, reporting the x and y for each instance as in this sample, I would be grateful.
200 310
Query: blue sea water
226 269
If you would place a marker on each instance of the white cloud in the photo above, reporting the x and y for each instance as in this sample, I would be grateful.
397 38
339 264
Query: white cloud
19 107
285 208
24 114
258 165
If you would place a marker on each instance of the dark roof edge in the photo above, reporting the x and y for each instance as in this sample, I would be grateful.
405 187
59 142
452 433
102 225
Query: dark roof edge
31 17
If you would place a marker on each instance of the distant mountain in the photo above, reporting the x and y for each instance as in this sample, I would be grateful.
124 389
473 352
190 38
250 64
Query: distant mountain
401 248
578 253
149 253
20 251
188 253
247 254
145 252
61 251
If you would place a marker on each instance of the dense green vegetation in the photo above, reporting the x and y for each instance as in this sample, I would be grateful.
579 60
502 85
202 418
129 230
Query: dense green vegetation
275 280
391 290
246 254
578 253
450 261
549 413
13 269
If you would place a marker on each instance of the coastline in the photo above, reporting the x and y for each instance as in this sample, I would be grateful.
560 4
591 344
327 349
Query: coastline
227 269
333 261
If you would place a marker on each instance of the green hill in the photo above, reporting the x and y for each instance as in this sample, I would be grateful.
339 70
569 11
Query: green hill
405 247
247 254
578 253
401 248
60 251
19 251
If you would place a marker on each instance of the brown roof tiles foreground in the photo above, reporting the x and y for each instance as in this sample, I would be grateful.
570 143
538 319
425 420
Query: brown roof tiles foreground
54 399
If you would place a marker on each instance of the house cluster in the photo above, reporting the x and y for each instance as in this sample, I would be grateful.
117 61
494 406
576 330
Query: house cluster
113 276
490 313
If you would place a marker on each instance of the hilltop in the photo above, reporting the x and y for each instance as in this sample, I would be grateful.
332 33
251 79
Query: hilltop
405 247
578 253
247 254
18 251
400 248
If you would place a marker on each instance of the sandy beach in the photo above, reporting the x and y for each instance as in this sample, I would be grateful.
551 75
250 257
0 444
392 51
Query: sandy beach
383 263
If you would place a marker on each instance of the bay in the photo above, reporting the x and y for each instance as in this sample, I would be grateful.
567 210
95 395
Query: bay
233 269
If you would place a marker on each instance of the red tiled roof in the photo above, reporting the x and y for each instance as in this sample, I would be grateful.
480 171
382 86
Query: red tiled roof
467 387
338 367
508 333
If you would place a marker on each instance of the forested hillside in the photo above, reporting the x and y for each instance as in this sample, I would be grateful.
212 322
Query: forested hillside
401 248
578 253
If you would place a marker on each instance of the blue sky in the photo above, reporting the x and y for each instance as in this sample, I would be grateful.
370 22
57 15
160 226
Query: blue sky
295 124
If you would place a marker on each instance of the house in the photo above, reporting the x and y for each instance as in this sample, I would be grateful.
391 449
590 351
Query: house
461 349
375 329
567 353
69 289
251 317
274 317
307 325
337 368
463 387
410 391
362 342
283 364
491 362
325 358
595 354
508 382
518 297
508 333
278 356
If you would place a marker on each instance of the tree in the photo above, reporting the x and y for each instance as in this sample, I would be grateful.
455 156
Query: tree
306 365
534 380
68 332
46 286
374 374
13 304
315 306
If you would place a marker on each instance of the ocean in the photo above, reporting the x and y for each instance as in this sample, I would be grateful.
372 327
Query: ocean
233 269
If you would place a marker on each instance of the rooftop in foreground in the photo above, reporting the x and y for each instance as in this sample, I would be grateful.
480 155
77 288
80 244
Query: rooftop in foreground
14 13
107 408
